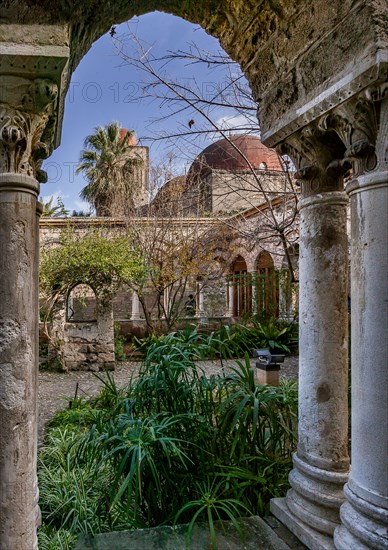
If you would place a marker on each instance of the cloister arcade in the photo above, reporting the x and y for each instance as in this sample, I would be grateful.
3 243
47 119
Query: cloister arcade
256 292
318 71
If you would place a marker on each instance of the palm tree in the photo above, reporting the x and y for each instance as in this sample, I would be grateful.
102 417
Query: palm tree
108 163
51 210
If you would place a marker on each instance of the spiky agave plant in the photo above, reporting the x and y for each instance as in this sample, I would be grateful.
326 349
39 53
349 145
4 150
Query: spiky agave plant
211 506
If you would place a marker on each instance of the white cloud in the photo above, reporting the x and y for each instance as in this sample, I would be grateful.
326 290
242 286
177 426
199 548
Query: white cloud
237 123
82 205
55 196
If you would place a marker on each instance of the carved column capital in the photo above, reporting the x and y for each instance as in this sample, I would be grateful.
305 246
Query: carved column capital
33 82
27 120
318 157
362 124
350 137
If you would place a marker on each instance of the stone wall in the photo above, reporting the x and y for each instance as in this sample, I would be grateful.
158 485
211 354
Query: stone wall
233 191
84 345
291 51
122 304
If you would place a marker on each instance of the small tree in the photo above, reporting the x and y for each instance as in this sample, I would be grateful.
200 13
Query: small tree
91 258
278 221
181 249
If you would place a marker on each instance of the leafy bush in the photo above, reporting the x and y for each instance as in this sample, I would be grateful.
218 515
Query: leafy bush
230 341
51 539
173 446
119 341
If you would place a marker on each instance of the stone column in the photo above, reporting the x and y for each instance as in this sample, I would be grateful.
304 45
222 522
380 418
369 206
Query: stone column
18 351
365 513
200 312
29 104
253 280
230 286
311 508
285 296
166 301
135 315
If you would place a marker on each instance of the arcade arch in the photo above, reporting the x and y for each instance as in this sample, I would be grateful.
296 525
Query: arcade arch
81 304
242 288
266 286
320 74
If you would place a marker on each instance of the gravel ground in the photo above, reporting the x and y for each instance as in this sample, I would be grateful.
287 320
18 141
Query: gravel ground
57 388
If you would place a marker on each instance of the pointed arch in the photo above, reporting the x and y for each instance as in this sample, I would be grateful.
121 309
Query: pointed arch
242 288
266 286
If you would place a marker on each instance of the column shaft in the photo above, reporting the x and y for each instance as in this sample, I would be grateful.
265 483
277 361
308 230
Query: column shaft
230 284
365 514
254 281
135 315
166 301
311 509
18 361
200 313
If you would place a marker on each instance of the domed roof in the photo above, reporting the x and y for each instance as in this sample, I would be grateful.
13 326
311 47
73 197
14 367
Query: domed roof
225 154
171 191
132 141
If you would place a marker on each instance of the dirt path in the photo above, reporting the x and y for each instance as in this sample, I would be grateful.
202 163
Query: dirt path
56 388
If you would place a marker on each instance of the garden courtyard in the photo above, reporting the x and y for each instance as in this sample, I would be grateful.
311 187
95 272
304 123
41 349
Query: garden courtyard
57 389
113 445
278 252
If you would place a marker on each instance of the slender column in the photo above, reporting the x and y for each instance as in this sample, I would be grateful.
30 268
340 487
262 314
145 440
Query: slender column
365 513
230 286
166 301
135 315
29 111
311 508
200 312
253 281
285 296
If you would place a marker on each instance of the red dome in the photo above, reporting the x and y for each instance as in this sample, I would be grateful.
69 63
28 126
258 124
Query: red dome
132 141
222 155
171 190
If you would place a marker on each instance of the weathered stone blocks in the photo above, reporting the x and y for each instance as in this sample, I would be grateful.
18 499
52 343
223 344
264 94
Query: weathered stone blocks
85 345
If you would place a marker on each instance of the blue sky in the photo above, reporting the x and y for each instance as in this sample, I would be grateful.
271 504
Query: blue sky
104 88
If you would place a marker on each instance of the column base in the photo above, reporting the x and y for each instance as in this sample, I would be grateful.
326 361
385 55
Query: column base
364 525
311 538
311 508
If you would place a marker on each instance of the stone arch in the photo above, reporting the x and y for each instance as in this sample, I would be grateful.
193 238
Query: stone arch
242 287
266 286
282 61
264 260
83 325
310 76
81 304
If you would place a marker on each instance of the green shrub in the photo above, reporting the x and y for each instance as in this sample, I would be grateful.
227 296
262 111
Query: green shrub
174 445
51 539
230 341
119 341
